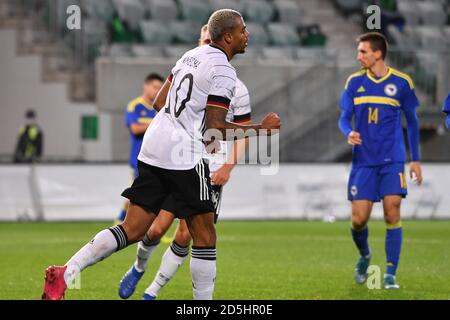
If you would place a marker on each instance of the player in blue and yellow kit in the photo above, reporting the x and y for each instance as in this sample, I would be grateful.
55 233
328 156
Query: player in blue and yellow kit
446 109
376 96
139 114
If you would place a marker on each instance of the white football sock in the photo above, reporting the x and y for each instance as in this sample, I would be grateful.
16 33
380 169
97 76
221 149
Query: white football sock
102 246
172 260
145 248
203 270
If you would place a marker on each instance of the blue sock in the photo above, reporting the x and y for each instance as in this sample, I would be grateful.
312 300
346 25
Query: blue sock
394 237
122 215
360 237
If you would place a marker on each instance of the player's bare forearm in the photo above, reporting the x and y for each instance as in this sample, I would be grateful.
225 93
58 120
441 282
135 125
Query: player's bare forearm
238 150
138 128
161 97
215 119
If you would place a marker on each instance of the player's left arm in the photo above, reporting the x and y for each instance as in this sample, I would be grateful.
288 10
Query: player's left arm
409 105
222 175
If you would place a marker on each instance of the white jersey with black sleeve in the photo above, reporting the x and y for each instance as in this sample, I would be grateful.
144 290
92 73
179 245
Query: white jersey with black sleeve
174 140
239 112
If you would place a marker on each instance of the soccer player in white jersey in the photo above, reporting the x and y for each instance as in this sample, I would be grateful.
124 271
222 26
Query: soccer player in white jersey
171 165
220 165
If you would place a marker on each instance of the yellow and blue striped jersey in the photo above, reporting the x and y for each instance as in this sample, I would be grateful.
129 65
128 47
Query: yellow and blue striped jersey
138 111
377 105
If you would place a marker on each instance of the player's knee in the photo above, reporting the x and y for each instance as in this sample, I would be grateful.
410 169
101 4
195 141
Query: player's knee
156 232
206 238
358 222
133 234
183 238
391 219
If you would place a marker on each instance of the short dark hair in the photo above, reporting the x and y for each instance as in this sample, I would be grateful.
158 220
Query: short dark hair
153 76
30 114
221 21
377 42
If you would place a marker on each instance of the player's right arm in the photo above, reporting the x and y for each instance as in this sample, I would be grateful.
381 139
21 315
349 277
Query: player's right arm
132 120
345 120
161 97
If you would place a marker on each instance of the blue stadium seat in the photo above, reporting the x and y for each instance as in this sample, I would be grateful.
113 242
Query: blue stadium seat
283 34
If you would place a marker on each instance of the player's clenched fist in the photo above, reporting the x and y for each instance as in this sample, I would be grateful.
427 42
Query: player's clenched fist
271 121
354 138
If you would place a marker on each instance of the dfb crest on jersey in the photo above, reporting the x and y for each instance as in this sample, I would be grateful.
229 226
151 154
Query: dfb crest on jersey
354 190
390 89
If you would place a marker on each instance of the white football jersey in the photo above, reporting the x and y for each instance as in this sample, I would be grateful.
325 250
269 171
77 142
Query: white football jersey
239 111
174 140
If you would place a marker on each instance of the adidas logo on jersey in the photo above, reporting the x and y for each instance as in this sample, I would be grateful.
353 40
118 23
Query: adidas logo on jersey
361 89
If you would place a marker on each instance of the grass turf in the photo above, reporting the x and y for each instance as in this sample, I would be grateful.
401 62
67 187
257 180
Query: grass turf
255 260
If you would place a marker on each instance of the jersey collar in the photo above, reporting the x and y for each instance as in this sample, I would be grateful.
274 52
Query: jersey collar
219 48
388 74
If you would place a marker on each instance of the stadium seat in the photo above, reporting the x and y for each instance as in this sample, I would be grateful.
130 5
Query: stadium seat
153 32
177 51
251 55
349 6
163 10
261 11
147 51
289 12
103 10
431 38
313 54
220 4
195 10
283 34
278 54
119 50
131 12
426 70
258 34
409 11
95 34
432 13
185 31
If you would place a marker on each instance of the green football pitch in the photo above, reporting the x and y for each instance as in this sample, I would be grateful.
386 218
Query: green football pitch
255 260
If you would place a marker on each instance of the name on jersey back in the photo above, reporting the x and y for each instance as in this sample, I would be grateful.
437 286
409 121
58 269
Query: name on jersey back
191 62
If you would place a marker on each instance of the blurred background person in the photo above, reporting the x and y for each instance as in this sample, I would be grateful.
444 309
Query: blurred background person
30 141
138 116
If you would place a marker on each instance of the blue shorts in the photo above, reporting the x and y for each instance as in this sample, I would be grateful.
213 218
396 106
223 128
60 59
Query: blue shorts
373 183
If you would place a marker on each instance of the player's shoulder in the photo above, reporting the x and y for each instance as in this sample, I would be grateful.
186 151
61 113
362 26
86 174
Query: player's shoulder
355 77
131 107
402 77
241 88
